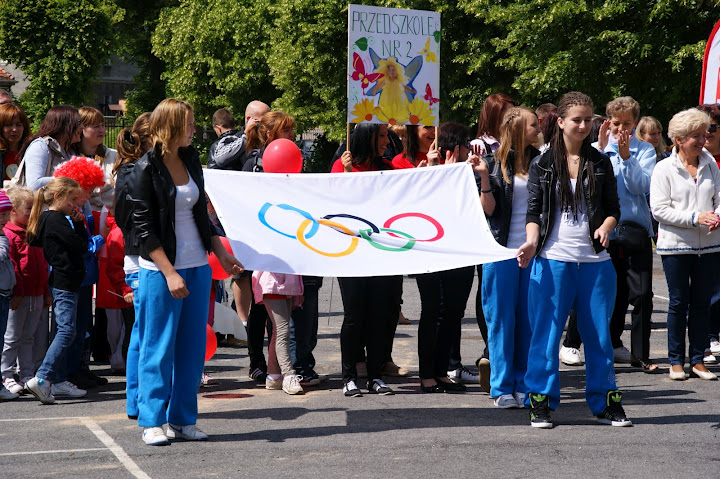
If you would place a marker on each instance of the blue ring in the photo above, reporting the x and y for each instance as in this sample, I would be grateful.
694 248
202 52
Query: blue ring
266 206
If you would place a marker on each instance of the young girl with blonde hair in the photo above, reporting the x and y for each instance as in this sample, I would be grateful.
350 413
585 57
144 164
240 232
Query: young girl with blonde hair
64 245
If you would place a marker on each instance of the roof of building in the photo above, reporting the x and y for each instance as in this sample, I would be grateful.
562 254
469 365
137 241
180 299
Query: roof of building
6 77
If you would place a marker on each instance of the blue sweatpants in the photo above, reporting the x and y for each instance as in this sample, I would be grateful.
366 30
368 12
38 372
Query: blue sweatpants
133 354
172 347
555 286
505 304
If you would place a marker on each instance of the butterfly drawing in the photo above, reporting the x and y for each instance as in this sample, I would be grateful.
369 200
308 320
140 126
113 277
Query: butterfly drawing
359 74
429 54
428 95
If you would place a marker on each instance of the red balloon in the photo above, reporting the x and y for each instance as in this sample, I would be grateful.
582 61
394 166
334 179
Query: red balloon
282 156
210 343
217 270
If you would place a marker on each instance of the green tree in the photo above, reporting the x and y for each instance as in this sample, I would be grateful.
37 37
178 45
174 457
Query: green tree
134 33
649 49
216 53
59 44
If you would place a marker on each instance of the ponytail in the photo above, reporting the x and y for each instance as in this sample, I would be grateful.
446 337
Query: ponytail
38 207
62 187
132 143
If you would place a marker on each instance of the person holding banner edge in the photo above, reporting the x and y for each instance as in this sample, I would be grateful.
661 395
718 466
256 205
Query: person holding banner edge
175 233
573 206
504 284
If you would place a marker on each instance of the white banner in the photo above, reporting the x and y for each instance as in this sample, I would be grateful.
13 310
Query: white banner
355 224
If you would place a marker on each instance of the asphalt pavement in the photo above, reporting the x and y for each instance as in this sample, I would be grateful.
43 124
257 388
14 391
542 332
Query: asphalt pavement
259 433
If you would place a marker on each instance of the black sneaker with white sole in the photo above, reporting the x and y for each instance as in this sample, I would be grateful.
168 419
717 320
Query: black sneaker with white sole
614 414
351 390
540 411
377 386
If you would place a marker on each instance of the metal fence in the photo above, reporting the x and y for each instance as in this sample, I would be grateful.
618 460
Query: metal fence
113 127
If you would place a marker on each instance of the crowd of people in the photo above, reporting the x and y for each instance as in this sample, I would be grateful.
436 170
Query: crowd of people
115 243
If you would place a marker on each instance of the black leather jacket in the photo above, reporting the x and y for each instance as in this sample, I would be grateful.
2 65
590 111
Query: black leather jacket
124 210
152 194
542 188
499 220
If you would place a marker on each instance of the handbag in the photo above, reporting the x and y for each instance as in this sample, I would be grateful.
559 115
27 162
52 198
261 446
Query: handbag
632 236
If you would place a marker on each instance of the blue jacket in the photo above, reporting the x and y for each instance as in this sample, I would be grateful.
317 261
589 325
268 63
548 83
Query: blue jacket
633 182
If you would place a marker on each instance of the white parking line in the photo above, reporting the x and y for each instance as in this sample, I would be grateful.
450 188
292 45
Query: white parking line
55 451
661 297
115 449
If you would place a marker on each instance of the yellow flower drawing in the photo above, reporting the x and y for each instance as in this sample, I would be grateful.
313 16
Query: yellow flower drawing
429 54
393 114
364 111
420 113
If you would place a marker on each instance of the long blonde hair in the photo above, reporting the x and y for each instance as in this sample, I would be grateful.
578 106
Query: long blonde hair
168 121
512 137
61 186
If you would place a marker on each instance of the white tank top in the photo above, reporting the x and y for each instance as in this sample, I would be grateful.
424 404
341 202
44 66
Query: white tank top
569 239
516 235
189 249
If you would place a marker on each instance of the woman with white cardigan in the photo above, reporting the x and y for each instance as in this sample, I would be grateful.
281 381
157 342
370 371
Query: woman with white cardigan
685 200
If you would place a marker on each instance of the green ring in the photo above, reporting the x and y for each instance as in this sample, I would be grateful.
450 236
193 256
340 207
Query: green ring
408 246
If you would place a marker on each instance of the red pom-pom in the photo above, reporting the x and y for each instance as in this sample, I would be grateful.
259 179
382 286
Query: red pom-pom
84 171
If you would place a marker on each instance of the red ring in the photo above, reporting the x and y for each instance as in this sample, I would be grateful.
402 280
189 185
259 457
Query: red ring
438 226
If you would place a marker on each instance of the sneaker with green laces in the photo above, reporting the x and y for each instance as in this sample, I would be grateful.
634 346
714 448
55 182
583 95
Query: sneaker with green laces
540 411
614 414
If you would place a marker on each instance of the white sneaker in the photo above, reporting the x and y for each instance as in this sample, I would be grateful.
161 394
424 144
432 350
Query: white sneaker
40 388
709 358
189 433
13 386
208 380
506 401
291 384
622 355
462 375
154 436
67 389
7 395
715 346
519 399
273 384
570 356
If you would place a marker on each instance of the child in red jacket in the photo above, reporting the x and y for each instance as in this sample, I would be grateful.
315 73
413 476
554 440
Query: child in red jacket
115 296
30 297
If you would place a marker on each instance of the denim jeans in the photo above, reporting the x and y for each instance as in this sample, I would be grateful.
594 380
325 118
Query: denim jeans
690 282
78 357
54 365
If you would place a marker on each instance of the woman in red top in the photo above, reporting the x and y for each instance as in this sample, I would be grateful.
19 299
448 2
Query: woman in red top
371 303
14 129
417 143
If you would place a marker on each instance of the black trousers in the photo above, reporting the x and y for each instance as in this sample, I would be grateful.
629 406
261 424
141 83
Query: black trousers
443 298
634 287
370 304
258 323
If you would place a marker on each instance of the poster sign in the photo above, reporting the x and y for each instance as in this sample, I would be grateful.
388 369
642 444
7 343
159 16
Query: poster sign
393 66
710 85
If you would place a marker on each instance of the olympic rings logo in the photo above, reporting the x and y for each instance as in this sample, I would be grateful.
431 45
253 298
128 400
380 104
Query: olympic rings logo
309 226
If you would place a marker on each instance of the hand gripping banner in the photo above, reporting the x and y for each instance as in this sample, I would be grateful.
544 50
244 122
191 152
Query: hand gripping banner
355 224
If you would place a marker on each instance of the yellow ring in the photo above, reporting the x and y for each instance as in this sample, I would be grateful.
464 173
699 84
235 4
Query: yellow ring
353 242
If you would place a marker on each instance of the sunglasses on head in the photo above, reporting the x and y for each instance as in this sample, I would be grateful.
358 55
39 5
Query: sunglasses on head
712 128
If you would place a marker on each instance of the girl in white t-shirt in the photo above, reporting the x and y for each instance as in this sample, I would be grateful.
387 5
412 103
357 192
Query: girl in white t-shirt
572 208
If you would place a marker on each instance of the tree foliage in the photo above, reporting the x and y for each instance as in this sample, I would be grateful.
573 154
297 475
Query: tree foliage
59 44
649 49
216 53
